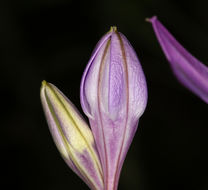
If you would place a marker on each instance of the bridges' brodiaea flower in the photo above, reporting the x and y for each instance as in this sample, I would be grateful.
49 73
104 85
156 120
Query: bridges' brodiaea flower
72 136
113 96
189 71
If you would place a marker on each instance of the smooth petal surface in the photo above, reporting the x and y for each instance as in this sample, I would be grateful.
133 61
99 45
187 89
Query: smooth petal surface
72 136
189 71
113 95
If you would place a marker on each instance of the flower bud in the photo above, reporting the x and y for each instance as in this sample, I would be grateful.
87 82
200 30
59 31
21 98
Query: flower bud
72 136
113 95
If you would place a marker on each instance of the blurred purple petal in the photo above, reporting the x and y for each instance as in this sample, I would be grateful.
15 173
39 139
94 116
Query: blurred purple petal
113 95
189 71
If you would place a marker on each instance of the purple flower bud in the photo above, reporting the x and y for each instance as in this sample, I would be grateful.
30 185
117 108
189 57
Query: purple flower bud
188 70
113 95
72 136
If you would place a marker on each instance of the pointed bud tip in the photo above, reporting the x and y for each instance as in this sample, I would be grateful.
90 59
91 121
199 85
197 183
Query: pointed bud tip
151 20
44 83
113 29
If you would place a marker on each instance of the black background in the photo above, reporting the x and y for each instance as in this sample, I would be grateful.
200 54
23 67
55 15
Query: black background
53 40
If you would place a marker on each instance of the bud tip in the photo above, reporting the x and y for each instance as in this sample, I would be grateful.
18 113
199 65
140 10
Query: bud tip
113 29
44 83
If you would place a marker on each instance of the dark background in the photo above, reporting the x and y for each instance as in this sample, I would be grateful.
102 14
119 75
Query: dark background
53 40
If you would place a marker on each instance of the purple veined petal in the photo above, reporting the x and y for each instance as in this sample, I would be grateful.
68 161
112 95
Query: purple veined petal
114 89
72 136
188 70
84 103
